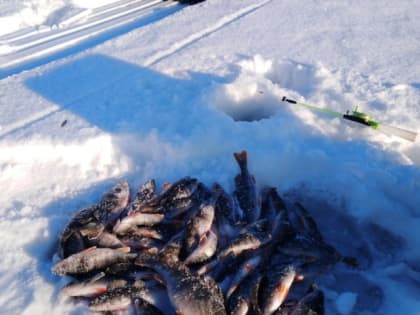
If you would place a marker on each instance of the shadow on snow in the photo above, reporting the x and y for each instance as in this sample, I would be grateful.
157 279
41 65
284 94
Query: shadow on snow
117 96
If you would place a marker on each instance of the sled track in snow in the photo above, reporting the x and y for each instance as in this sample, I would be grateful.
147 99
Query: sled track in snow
19 50
32 33
224 21
152 60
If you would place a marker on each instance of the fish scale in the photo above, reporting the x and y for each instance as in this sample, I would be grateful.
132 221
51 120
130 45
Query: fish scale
90 260
190 294
197 250
245 189
91 221
118 298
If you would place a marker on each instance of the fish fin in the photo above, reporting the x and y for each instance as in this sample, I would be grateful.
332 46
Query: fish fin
158 278
232 289
97 277
205 268
116 225
101 290
153 234
125 249
241 158
203 238
166 185
299 277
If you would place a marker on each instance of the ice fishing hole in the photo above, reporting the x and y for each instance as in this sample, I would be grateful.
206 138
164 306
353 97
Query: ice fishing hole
246 103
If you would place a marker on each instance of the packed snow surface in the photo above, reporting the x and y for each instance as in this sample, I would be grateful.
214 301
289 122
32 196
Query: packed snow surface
18 14
179 95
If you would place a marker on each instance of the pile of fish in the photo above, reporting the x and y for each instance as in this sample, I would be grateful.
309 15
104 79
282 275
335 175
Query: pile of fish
195 250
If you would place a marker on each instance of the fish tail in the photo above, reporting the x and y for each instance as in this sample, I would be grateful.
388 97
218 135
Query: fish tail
242 159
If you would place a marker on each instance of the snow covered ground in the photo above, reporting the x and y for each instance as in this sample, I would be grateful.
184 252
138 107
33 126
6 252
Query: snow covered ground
178 95
17 14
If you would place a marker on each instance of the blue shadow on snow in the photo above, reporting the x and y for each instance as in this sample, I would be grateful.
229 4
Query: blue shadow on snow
117 96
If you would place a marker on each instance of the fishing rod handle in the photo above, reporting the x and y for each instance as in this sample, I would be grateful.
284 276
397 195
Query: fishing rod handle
285 99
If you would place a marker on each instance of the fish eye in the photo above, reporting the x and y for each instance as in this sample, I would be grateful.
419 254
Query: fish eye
118 189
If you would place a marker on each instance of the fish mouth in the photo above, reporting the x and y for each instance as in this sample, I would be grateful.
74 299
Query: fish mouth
57 270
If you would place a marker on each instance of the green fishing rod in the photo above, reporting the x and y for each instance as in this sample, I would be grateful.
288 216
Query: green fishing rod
361 118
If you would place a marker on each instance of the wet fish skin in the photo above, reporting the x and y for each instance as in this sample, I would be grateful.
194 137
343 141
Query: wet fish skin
241 307
243 242
251 237
245 299
117 299
227 215
134 219
272 204
114 202
90 222
114 304
84 289
149 232
92 287
120 269
106 239
183 188
139 242
116 198
278 285
186 207
244 270
220 269
145 200
92 259
142 307
86 222
72 243
179 207
85 216
189 294
170 253
146 195
245 189
226 208
204 250
198 226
